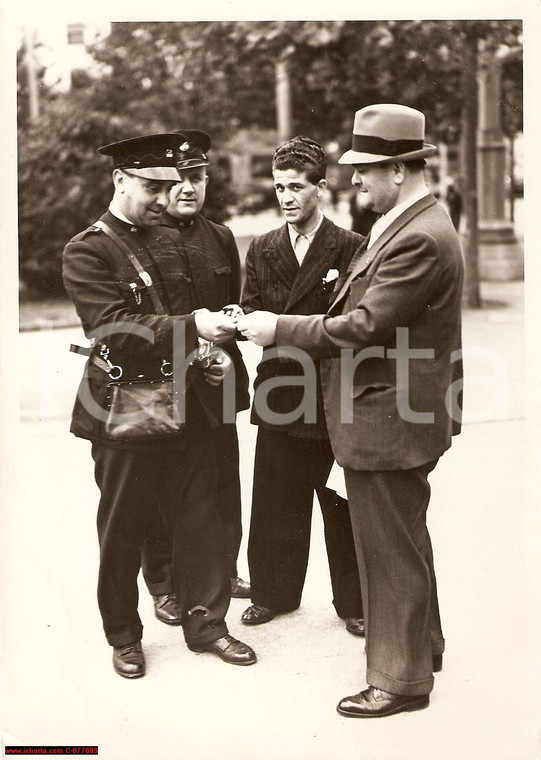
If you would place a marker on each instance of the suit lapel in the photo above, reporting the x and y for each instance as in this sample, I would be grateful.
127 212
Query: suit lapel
363 257
321 254
357 265
281 258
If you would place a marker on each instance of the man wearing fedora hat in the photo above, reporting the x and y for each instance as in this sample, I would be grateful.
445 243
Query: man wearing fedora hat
392 383
213 266
127 279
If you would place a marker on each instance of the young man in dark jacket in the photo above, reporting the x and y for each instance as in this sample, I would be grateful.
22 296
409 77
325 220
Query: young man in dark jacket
292 270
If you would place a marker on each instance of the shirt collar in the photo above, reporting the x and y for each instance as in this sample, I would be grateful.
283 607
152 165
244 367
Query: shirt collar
385 221
293 234
115 211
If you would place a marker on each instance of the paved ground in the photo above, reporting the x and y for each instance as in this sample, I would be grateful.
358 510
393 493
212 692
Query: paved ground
59 687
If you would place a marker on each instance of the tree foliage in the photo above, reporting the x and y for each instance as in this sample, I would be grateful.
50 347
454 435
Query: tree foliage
220 76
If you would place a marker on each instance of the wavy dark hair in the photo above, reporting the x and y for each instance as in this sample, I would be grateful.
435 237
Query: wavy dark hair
303 154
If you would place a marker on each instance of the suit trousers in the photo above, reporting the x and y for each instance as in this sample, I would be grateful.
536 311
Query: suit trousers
173 481
157 561
287 471
402 620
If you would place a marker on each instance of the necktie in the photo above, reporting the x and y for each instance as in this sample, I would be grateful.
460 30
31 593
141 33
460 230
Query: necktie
301 246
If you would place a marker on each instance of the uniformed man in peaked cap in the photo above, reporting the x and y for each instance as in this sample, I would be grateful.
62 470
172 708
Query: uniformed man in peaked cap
213 274
127 279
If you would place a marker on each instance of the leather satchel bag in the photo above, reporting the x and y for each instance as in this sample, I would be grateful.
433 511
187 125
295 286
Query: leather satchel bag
141 409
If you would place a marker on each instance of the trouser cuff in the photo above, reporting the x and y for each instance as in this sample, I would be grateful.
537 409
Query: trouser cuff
216 631
350 612
275 606
394 686
159 589
127 636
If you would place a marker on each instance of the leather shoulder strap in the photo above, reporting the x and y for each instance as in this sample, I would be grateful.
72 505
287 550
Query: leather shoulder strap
144 275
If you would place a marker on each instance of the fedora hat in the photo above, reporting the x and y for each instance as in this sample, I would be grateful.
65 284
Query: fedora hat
387 132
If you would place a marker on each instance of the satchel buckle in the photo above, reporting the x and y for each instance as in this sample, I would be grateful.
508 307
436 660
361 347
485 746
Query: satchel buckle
114 371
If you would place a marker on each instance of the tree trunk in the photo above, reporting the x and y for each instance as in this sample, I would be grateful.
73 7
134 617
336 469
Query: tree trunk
472 296
30 63
283 100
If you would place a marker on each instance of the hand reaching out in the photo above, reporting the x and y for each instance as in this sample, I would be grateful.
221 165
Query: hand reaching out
259 327
214 326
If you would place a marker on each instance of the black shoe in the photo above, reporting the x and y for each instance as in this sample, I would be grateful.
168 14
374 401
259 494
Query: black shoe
167 609
355 626
240 589
437 663
255 615
228 649
375 703
129 661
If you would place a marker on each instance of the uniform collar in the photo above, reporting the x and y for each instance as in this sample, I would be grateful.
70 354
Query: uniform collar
179 223
115 211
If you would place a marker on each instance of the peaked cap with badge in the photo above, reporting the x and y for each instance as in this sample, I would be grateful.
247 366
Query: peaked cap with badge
152 157
193 151
387 132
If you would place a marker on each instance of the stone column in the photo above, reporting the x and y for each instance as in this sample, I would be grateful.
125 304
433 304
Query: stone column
501 256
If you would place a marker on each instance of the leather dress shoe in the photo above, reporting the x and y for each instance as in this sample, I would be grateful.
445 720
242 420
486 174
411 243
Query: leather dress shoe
167 609
240 589
228 649
355 626
129 661
437 663
255 615
375 703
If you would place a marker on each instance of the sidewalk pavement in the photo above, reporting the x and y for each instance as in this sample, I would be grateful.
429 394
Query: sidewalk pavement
59 686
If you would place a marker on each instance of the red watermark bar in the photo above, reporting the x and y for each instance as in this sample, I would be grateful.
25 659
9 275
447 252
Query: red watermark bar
49 750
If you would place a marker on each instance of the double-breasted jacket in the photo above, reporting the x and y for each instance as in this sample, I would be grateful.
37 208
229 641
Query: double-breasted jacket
275 282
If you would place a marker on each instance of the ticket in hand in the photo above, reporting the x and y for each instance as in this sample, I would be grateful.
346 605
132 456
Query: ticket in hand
233 310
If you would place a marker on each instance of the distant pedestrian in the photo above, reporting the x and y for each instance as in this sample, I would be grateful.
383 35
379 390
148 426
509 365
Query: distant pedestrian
453 199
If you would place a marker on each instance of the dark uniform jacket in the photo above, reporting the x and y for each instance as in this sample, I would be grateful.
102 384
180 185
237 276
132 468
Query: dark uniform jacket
275 282
213 268
112 301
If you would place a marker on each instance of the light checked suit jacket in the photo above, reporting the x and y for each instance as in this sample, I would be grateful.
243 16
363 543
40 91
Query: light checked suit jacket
410 280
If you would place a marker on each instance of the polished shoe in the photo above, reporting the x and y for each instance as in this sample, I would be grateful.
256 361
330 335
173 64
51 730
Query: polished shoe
255 615
355 626
240 589
228 649
375 703
129 661
437 663
167 609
